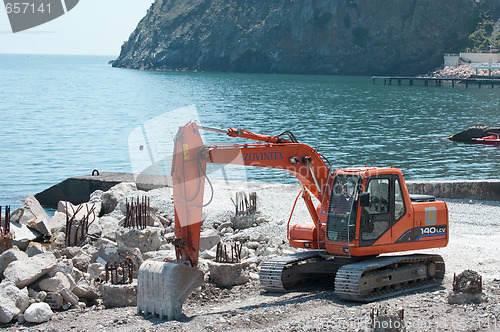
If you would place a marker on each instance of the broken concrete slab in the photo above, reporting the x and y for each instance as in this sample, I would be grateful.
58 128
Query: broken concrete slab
32 214
148 239
114 195
208 239
84 290
58 222
119 295
38 313
34 249
55 283
10 256
13 301
227 274
23 235
23 273
107 253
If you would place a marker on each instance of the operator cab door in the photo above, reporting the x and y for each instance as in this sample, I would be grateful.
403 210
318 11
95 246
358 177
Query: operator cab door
377 218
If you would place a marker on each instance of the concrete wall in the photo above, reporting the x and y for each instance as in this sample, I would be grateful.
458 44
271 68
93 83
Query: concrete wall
472 189
451 60
480 57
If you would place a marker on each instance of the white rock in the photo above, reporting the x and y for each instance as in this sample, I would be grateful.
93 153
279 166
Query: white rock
23 273
32 214
55 284
23 235
13 301
95 270
208 239
146 239
38 313
10 256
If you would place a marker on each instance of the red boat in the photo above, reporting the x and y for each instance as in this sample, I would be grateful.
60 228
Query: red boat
493 139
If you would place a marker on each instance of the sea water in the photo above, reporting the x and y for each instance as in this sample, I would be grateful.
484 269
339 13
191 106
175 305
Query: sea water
63 116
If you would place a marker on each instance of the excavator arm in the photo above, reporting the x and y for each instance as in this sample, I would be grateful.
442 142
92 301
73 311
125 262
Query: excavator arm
189 174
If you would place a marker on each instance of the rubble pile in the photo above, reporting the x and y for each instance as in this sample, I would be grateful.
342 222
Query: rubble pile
462 71
85 255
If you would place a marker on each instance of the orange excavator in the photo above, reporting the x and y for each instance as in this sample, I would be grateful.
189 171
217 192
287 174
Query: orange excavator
363 213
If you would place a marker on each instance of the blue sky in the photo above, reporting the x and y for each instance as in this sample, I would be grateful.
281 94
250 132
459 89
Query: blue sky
93 27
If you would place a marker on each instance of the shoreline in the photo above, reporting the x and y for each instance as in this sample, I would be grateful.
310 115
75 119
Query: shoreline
78 189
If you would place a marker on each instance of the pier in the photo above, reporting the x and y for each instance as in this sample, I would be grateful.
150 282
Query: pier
437 81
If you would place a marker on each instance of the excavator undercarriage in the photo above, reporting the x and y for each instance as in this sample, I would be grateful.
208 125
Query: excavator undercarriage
365 280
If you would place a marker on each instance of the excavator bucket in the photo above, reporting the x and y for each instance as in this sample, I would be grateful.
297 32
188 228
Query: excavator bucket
162 288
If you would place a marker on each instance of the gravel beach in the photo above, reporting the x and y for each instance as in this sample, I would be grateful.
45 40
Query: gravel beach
474 245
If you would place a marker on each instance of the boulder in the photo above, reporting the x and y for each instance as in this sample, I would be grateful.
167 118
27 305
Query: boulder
113 196
55 284
32 214
38 313
66 267
86 291
82 261
227 274
34 249
208 239
23 273
95 270
478 131
109 227
148 239
119 295
71 252
58 222
107 253
23 235
13 301
10 256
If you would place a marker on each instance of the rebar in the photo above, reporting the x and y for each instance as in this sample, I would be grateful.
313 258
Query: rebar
245 204
82 226
5 234
137 214
222 255
127 269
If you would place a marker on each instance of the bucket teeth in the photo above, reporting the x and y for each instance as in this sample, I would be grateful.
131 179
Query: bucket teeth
162 288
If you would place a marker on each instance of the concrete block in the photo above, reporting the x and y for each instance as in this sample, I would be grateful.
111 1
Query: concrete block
23 273
227 274
13 301
10 256
119 295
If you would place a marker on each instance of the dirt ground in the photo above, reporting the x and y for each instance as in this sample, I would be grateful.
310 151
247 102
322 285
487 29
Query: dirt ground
474 244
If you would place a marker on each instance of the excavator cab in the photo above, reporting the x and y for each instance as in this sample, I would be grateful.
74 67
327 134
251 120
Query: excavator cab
342 209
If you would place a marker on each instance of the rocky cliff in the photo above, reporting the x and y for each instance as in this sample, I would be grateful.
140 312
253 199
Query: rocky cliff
361 37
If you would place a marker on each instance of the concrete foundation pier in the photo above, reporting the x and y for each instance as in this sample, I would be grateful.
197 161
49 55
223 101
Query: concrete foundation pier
77 189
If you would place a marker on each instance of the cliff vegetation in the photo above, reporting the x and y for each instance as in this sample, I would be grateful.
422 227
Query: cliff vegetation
360 37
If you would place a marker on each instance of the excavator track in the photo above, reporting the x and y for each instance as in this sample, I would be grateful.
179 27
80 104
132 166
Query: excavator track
388 276
279 275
